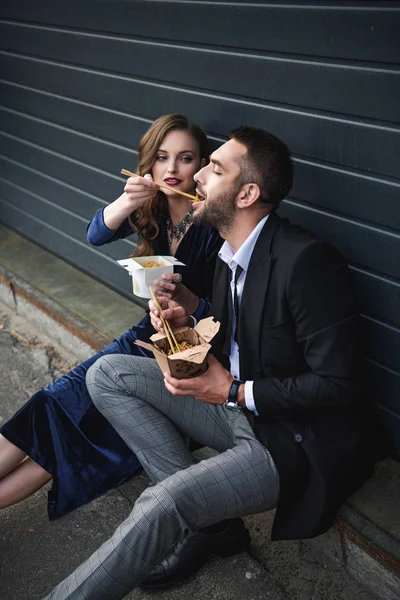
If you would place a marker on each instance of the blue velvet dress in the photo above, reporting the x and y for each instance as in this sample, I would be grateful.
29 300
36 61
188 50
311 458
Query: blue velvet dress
60 428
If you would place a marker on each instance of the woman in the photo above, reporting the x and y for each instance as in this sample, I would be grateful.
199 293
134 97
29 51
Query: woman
59 433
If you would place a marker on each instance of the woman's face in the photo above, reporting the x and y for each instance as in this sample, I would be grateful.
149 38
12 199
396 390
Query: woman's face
177 161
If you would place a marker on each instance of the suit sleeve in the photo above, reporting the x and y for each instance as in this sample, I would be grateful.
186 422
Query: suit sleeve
321 301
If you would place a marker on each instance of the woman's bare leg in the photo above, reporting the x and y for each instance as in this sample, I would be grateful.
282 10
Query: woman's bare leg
10 456
20 476
24 481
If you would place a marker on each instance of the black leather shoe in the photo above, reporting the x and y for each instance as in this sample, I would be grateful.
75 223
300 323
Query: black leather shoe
193 552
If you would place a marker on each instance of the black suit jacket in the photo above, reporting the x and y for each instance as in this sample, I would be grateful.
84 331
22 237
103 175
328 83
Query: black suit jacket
298 341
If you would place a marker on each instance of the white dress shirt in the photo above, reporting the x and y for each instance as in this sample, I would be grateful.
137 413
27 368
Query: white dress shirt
233 259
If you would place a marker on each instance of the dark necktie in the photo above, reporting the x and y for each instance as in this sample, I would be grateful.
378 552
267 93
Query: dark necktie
238 272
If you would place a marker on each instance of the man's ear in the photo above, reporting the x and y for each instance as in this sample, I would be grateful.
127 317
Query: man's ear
248 194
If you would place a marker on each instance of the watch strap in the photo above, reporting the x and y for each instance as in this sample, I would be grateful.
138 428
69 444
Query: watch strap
232 400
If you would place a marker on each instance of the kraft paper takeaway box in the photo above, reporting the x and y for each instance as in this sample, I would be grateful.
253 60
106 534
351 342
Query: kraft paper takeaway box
188 363
144 277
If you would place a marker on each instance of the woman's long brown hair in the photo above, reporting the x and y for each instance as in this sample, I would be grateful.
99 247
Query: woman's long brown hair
148 216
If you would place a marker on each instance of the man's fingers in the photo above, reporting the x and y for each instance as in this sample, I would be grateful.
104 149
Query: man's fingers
180 387
172 313
153 308
173 390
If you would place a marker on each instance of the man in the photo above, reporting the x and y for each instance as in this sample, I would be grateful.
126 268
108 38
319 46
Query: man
280 400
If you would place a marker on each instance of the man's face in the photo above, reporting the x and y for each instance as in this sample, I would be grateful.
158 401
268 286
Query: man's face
218 187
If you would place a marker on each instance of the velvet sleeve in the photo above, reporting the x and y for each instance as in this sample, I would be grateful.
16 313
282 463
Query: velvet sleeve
98 233
321 301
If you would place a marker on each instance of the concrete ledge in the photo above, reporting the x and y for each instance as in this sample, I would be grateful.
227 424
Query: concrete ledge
370 564
68 329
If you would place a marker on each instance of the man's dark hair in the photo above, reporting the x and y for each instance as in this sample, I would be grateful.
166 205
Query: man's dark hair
267 163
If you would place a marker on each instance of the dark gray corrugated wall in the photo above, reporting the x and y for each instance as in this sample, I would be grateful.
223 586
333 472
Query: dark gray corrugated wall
82 80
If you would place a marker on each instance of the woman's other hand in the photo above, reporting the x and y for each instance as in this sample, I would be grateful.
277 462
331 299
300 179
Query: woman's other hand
171 310
170 286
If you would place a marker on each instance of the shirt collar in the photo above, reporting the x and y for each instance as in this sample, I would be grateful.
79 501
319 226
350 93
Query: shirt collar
243 255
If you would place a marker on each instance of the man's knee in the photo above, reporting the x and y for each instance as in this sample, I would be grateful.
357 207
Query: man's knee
101 377
174 497
95 372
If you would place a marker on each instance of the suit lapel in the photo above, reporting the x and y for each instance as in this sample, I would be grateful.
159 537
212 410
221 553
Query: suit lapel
253 300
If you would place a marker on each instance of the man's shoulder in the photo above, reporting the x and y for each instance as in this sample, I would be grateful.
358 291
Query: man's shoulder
290 232
293 241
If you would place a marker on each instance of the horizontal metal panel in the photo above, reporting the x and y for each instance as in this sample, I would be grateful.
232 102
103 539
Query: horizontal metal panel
378 297
51 188
90 180
382 343
367 247
111 125
324 137
63 220
350 193
36 201
384 385
82 148
362 91
371 30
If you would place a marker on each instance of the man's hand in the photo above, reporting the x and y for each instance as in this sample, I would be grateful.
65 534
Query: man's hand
213 386
174 312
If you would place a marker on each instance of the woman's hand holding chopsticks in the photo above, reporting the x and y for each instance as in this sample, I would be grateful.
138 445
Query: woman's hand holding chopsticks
137 191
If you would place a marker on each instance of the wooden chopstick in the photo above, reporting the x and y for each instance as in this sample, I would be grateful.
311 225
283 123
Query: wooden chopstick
167 327
162 185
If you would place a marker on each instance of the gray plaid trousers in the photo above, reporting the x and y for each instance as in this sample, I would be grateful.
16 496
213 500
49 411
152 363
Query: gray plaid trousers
129 391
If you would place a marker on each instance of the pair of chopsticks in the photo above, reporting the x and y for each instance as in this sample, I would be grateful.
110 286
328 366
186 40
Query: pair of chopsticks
162 185
167 327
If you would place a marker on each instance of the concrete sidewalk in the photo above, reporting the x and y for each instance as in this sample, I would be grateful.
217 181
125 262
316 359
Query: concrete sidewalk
36 554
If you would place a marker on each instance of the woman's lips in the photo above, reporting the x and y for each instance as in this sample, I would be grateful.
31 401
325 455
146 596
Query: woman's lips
171 181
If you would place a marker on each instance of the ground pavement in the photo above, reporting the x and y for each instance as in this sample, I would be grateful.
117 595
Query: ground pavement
35 554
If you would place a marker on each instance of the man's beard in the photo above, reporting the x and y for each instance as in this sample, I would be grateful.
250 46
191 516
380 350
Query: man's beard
220 212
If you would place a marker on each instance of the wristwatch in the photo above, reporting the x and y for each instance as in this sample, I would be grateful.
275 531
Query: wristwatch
232 400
